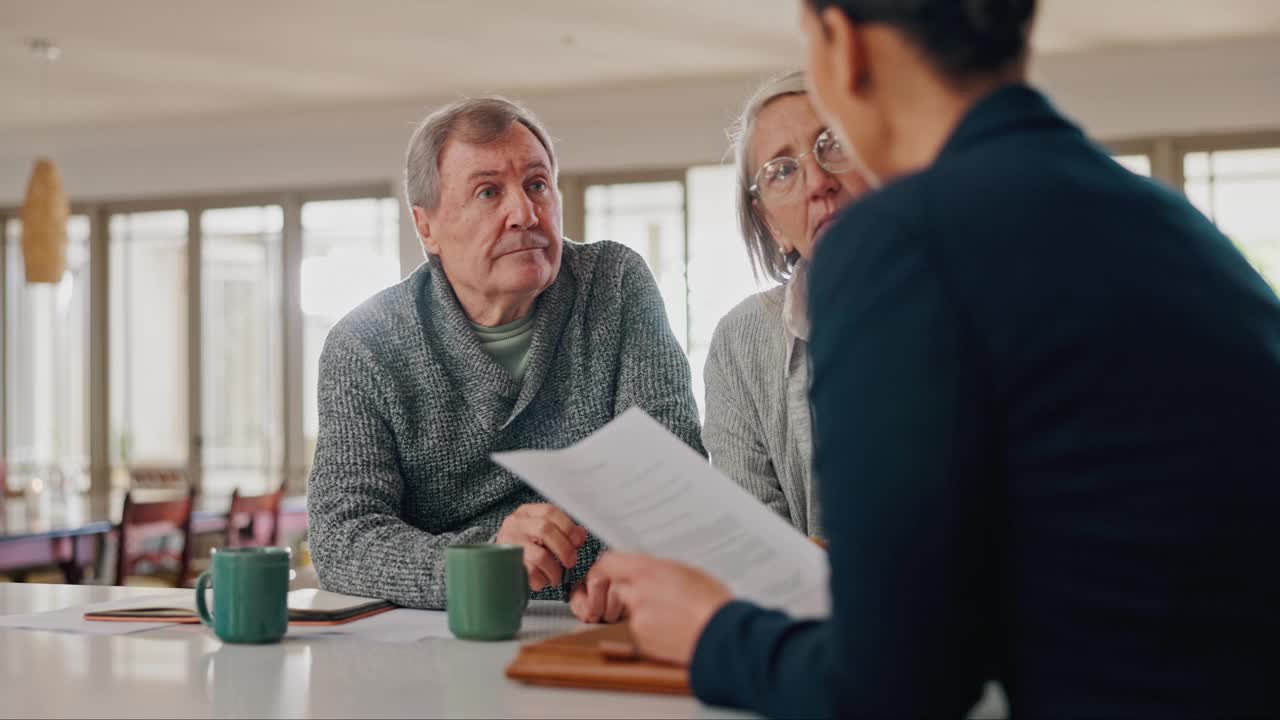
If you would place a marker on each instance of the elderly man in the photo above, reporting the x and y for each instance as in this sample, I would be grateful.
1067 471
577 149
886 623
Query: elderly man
508 337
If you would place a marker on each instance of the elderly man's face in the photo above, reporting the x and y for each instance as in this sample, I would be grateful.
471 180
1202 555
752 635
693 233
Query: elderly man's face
497 229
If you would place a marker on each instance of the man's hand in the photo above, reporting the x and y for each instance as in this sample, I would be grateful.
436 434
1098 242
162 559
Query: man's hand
594 601
549 538
667 604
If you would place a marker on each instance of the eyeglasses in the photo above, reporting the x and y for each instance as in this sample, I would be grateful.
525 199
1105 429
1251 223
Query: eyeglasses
781 177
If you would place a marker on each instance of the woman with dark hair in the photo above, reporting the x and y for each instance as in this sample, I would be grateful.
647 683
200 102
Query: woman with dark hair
1045 395
793 177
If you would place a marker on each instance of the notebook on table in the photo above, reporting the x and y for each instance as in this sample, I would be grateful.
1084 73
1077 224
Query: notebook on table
599 659
306 607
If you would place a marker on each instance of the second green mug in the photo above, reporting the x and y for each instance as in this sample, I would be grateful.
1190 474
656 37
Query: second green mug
487 589
250 594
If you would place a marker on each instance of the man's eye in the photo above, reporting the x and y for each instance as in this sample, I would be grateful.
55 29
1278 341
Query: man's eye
538 186
487 193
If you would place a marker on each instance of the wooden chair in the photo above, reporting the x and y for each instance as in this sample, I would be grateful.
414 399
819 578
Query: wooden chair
144 534
254 520
157 477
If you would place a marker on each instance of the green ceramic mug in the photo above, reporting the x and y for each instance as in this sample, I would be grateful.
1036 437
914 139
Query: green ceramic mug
487 589
250 594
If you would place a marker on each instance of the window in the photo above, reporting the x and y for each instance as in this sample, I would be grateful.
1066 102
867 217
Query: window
258 347
236 348
720 274
1140 164
647 217
241 346
701 276
1238 190
149 370
350 251
47 349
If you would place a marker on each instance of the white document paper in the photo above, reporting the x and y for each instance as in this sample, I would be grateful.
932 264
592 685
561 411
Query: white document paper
543 619
640 489
71 620
302 600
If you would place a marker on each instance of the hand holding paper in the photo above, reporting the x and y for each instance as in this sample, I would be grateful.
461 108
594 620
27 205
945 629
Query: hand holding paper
640 489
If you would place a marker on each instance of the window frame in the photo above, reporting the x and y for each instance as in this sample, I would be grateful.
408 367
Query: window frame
1167 155
292 464
579 184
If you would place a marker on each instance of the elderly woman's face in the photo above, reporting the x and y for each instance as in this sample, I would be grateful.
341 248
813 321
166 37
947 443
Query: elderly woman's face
497 229
789 127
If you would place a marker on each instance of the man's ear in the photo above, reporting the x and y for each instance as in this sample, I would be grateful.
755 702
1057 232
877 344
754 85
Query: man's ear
846 51
422 222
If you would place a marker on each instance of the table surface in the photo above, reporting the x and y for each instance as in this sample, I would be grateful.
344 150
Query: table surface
184 671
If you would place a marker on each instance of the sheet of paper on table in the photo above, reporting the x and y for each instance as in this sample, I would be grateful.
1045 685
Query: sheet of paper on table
543 619
71 619
306 605
640 489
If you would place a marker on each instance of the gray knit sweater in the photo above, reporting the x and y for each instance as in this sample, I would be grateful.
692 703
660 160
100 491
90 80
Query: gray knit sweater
411 408
758 427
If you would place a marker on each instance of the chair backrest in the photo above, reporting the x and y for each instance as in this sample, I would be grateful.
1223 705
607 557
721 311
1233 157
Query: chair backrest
157 477
145 528
254 520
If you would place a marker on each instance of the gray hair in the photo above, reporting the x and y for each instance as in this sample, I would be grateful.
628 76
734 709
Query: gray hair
477 121
767 259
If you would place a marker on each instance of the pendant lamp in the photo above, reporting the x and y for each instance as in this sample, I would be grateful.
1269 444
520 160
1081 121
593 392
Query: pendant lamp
44 224
45 209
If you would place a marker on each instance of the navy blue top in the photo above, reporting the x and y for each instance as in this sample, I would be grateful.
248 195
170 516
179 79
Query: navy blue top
1046 396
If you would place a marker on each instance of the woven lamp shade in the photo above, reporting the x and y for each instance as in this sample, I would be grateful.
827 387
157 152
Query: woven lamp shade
44 224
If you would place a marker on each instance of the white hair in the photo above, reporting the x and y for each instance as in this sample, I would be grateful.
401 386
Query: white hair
767 259
478 121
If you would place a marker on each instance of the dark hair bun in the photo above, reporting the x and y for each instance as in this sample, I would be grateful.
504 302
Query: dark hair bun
962 38
991 34
997 15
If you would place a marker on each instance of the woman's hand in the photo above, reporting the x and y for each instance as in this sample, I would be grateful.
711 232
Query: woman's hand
667 604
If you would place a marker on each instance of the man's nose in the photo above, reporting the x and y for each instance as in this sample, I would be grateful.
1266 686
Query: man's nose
522 214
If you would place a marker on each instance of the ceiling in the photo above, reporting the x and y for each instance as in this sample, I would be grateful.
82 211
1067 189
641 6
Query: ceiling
127 60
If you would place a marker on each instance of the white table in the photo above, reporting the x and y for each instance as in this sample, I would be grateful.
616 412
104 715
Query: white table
184 671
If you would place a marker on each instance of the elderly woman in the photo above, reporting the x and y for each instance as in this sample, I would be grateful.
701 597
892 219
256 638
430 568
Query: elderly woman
507 337
793 177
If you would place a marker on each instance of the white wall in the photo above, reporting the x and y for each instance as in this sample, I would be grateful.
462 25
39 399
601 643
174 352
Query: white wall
1169 91
1115 94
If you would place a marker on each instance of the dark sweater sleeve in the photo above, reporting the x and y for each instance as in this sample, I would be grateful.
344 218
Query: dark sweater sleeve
899 446
763 660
